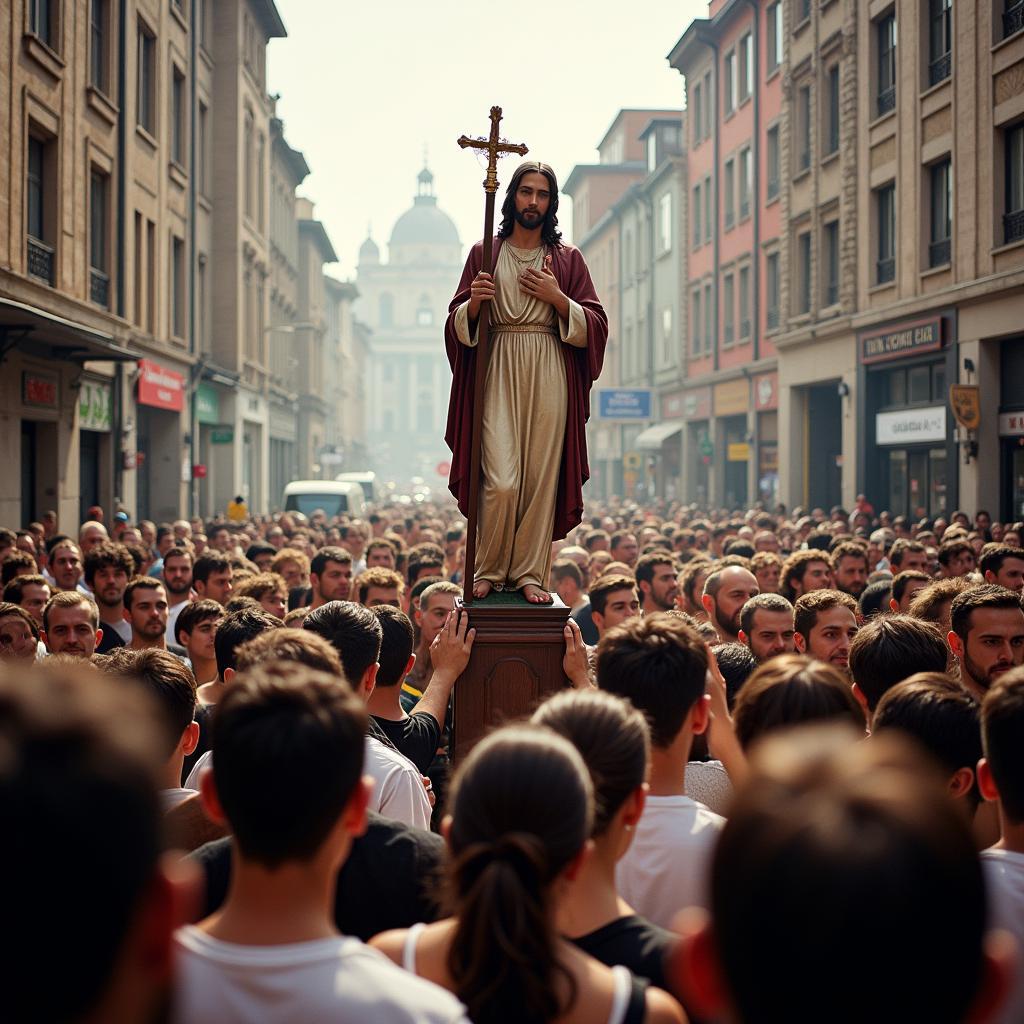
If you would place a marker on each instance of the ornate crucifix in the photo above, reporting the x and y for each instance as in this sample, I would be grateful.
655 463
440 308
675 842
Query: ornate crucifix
494 148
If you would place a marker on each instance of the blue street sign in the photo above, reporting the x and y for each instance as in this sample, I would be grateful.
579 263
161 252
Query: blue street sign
624 403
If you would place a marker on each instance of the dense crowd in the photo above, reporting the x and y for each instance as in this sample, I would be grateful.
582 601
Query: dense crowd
784 779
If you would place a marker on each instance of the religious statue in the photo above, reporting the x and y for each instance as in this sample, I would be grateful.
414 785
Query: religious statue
547 335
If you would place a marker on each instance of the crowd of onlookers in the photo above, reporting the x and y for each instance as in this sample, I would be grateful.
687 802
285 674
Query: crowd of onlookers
784 779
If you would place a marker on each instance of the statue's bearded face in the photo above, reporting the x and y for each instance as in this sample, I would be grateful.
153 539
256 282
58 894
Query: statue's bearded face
533 198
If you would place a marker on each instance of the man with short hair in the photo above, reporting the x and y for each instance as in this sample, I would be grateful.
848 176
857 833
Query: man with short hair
850 569
380 586
232 631
826 623
437 602
196 630
613 600
1003 565
211 576
71 625
218 537
624 548
933 603
90 535
330 576
908 555
803 572
904 586
766 626
145 610
656 582
956 558
65 564
380 553
767 569
176 576
986 634
726 591
108 567
567 583
29 592
424 560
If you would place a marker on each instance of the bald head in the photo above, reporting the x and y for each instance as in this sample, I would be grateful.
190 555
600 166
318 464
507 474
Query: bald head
725 593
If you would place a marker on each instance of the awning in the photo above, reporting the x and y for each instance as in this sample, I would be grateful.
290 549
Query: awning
48 336
651 439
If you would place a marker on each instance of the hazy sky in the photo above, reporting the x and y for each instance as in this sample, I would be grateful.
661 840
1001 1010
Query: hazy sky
364 86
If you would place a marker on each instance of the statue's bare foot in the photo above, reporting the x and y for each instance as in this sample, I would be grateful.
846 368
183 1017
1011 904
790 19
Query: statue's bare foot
535 594
481 588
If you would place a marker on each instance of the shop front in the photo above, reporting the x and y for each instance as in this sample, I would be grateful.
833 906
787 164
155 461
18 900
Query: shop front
662 447
162 462
766 405
732 404
95 446
698 447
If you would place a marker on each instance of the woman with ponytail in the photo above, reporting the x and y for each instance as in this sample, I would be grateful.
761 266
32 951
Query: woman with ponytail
521 816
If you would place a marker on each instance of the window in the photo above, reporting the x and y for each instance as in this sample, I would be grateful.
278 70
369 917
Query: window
35 183
746 181
40 229
150 277
804 128
746 68
203 149
729 186
665 223
179 128
652 153
772 160
1013 17
709 112
744 302
177 287
730 82
98 30
261 160
832 110
666 335
805 11
43 21
709 223
940 40
248 169
424 317
99 220
1013 218
728 310
138 276
771 276
831 265
696 216
145 94
774 33
803 246
939 248
203 8
885 30
710 331
696 322
697 112
885 206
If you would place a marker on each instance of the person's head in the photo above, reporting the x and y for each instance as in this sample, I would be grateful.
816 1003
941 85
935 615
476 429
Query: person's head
521 813
291 563
908 555
330 575
934 602
825 622
660 664
29 592
289 645
355 633
91 535
726 591
71 624
766 626
614 741
219 538
613 600
145 608
437 602
261 554
233 631
905 586
956 558
177 574
268 589
19 634
736 664
531 201
287 778
986 634
211 576
17 563
835 848
850 568
196 628
380 586
108 567
691 582
380 553
767 569
396 648
1003 565
803 572
889 649
945 719
567 581
875 598
656 581
1001 773
424 560
596 540
65 564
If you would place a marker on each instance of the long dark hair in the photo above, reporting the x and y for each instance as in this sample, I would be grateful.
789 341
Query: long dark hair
522 809
549 234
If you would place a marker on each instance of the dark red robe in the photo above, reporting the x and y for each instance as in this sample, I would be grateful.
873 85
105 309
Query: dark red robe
582 368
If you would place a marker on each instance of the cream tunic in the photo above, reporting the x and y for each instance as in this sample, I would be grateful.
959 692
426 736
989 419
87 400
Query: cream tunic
525 404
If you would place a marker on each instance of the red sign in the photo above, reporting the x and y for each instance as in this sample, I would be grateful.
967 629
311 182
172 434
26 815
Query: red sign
909 338
444 468
160 388
198 471
766 391
39 389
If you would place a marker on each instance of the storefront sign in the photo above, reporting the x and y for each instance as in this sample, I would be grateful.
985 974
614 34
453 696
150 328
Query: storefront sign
199 471
766 392
160 388
207 404
1011 424
739 452
222 435
39 389
672 406
911 426
732 397
624 403
895 342
95 406
965 400
697 404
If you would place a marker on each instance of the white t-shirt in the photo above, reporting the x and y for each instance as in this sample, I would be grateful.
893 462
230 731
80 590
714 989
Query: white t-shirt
666 868
338 979
397 791
1004 878
170 798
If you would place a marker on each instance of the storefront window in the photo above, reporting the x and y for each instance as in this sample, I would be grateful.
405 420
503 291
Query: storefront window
919 382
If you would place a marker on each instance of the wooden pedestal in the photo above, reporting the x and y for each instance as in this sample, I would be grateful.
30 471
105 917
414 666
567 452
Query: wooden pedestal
516 662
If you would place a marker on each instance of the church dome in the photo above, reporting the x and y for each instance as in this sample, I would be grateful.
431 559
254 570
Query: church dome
425 223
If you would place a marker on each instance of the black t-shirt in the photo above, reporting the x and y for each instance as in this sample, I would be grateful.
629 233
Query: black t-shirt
634 942
391 878
585 620
111 639
417 736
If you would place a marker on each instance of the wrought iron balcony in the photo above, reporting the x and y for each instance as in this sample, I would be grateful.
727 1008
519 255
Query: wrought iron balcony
887 100
99 287
40 260
1013 19
939 253
940 69
1013 226
772 319
886 270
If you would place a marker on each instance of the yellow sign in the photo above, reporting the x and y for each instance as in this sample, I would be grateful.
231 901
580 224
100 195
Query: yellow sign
739 452
632 460
732 397
966 402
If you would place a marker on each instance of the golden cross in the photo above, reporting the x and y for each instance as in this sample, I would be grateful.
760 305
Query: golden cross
494 147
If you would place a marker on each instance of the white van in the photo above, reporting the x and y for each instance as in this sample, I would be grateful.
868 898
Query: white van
332 496
366 480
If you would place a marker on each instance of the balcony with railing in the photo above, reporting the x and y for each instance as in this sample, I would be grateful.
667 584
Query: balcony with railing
886 270
40 260
939 253
1013 226
887 100
1013 18
940 69
99 287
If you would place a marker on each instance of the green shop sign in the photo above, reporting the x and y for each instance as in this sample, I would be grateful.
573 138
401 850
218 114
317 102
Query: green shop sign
207 404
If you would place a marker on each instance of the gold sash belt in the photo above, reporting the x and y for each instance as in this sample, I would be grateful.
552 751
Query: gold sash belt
525 329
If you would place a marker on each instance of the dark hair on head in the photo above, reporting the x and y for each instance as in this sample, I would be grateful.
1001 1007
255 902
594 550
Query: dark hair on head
889 649
194 613
981 595
819 540
15 590
257 587
740 548
9 608
241 602
941 715
841 846
737 664
209 562
791 690
108 555
951 548
140 583
289 744
900 547
291 645
352 630
18 563
237 627
396 645
423 556
329 554
810 605
82 830
416 591
566 568
260 547
606 586
613 739
849 549
1002 725
593 537
178 551
550 235
522 809
690 573
927 603
992 559
765 603
659 663
902 579
646 565
874 599
795 567
378 576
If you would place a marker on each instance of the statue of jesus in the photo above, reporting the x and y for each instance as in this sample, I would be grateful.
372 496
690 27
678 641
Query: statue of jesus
547 338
